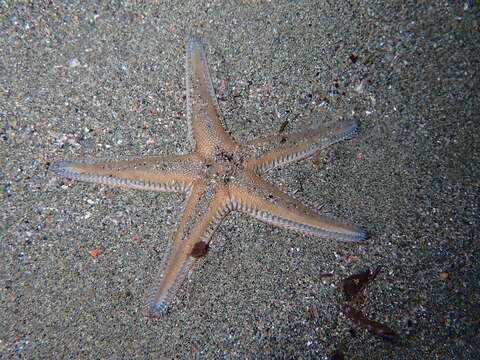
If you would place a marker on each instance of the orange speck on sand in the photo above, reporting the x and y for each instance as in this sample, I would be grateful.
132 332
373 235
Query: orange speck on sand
360 156
94 252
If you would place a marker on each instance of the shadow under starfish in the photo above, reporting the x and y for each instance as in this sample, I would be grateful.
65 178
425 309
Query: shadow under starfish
218 177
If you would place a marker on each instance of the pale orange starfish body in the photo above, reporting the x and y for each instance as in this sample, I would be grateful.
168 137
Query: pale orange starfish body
218 177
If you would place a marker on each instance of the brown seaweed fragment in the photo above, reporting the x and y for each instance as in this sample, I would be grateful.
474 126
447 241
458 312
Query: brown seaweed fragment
200 249
374 327
337 355
354 285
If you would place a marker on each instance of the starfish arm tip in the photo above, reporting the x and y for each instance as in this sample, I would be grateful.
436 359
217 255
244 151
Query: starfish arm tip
360 235
155 310
58 167
366 235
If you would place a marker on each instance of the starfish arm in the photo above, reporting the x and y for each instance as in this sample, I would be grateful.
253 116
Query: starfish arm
273 151
203 113
265 202
203 211
158 173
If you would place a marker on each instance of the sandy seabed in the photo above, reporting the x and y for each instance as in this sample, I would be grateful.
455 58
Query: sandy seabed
85 80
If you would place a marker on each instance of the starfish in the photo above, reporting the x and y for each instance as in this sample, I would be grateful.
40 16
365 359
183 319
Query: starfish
219 176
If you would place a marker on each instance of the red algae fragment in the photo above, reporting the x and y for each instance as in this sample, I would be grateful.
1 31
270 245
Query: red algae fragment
354 285
374 327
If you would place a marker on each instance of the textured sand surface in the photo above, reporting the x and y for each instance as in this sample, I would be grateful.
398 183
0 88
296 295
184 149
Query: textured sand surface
85 80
